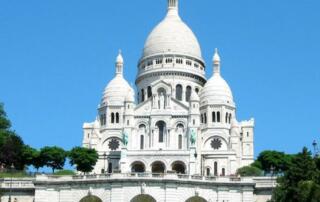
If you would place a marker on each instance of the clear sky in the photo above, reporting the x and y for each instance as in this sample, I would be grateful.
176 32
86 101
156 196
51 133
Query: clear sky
57 56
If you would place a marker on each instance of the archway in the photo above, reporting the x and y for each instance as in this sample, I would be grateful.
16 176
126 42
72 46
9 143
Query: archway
138 167
91 199
179 167
158 167
143 198
196 199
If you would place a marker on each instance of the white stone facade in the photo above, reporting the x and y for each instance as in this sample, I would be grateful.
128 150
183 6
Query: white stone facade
178 121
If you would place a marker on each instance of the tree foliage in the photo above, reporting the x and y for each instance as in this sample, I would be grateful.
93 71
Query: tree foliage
5 123
278 161
11 145
53 157
300 182
83 158
247 171
29 155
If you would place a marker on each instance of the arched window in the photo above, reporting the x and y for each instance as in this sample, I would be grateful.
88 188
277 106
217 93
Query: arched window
223 172
188 93
218 117
215 168
201 118
230 117
112 117
141 142
142 95
208 172
197 90
180 142
149 91
205 117
109 167
162 127
101 120
179 92
117 118
227 117
214 117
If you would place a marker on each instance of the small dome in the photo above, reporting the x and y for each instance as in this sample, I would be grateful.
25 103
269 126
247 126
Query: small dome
130 96
172 35
116 91
118 88
216 91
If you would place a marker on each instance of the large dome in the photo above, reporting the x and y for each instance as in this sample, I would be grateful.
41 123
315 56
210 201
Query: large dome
172 35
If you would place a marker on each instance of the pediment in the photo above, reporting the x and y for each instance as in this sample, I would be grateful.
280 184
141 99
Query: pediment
176 108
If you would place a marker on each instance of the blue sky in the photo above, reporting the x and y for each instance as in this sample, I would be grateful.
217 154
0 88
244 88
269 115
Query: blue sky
56 57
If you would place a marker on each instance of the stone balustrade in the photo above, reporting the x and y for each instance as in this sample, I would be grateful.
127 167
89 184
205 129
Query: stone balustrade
14 183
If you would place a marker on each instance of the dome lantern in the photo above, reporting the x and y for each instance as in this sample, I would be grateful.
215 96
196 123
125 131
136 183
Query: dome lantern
216 62
119 64
173 5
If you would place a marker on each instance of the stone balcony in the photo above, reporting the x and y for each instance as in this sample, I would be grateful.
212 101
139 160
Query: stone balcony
17 183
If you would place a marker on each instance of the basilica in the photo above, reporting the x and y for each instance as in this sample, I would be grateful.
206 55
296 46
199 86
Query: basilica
174 137
176 119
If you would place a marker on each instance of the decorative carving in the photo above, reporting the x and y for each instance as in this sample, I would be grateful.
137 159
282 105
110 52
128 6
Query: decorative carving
114 144
196 191
143 188
90 191
216 143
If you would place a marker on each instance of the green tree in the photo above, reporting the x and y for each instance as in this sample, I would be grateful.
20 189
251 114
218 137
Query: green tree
38 161
11 145
11 149
53 157
83 158
308 191
31 156
298 182
4 121
278 161
249 171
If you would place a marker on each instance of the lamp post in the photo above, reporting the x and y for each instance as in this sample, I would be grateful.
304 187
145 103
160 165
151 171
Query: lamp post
272 168
11 171
104 162
315 148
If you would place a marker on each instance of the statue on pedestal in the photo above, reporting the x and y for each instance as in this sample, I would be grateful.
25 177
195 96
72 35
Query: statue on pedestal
161 101
193 137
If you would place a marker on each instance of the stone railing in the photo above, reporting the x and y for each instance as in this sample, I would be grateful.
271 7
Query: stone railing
14 183
265 182
167 176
